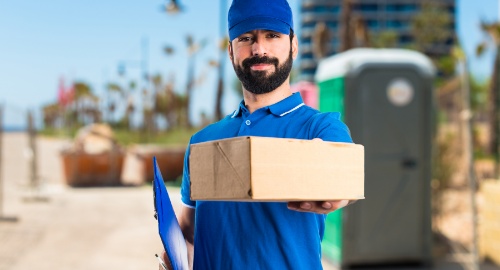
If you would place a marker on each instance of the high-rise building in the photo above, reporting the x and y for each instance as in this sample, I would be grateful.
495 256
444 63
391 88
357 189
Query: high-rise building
321 21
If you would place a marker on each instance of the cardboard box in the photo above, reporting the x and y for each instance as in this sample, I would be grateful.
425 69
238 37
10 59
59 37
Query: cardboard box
275 169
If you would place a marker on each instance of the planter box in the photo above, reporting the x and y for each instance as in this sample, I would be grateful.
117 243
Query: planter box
84 169
139 163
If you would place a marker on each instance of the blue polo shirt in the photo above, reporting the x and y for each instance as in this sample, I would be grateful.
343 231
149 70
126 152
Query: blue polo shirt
255 235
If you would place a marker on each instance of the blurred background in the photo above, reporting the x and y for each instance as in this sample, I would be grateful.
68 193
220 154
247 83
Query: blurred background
91 91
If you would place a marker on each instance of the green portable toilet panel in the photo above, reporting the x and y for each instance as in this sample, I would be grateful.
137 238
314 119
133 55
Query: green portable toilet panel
331 72
385 97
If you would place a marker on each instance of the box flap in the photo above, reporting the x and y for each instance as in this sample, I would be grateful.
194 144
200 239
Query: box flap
229 160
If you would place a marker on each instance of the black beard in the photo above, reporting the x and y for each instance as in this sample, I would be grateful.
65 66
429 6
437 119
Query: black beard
257 82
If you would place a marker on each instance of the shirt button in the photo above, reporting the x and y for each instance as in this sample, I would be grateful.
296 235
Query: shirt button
248 122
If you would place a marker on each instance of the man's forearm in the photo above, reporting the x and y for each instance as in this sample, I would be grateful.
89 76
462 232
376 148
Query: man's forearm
190 250
166 260
186 223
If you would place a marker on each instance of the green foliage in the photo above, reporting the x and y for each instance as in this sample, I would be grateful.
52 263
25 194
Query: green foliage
176 183
66 133
446 65
445 160
385 39
114 87
168 103
82 89
51 113
179 136
124 137
493 30
444 164
479 94
481 48
82 108
479 148
430 26
132 85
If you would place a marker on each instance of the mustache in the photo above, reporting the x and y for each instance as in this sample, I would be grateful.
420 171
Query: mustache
247 63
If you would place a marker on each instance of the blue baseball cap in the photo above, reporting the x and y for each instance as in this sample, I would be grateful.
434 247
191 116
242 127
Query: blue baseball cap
248 15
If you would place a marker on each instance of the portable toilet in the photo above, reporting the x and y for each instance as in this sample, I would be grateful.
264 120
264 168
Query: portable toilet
386 99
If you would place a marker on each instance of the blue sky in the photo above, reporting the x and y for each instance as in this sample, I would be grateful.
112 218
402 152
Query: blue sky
40 41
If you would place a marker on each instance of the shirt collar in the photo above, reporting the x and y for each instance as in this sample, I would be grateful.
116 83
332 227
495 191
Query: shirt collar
287 105
280 108
241 108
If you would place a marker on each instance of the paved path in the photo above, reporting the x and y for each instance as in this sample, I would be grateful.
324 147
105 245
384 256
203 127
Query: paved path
74 228
78 228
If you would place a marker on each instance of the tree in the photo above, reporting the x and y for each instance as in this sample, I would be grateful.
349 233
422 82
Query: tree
345 29
220 81
479 95
385 39
113 89
129 110
167 102
86 104
193 48
118 94
321 40
353 30
51 115
493 31
431 27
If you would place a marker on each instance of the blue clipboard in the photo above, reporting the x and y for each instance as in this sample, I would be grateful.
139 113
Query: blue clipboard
168 226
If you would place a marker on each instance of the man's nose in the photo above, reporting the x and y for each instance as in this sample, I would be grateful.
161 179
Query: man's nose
258 49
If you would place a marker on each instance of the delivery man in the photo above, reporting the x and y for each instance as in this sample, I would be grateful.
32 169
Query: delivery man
261 235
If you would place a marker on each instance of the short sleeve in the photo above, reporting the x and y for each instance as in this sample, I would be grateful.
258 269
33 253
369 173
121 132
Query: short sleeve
186 183
329 127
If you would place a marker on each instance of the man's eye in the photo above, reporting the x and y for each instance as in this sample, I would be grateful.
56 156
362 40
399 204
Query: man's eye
244 39
273 36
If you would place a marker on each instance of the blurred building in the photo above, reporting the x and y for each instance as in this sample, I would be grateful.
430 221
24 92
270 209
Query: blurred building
320 32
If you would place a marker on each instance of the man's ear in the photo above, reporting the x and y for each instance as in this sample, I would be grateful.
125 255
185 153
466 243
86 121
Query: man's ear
230 50
295 47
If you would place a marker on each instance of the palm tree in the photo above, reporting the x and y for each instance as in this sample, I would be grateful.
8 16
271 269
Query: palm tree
167 103
224 43
353 30
129 110
124 97
345 29
321 41
429 27
113 90
86 103
51 113
193 48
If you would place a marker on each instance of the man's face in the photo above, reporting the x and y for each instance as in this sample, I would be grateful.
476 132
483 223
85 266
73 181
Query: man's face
262 59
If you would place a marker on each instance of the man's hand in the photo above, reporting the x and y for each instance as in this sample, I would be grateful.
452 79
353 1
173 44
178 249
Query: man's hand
165 260
319 207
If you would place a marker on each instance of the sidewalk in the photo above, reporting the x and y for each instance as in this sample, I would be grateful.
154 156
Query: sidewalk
81 228
75 228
